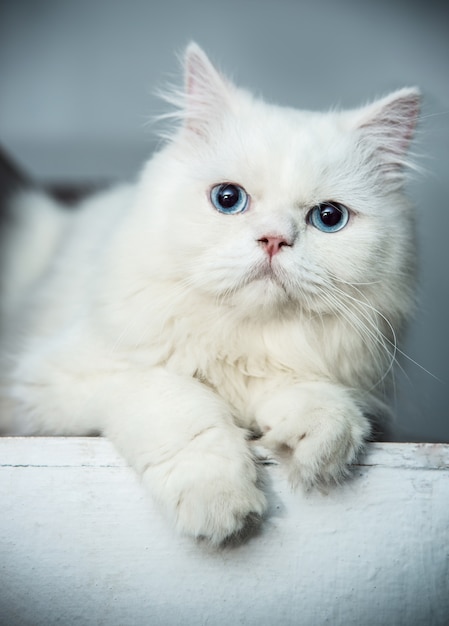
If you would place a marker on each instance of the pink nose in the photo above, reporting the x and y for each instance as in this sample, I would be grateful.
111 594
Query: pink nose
273 243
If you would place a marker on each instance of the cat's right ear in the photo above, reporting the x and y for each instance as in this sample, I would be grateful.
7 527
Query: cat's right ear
207 94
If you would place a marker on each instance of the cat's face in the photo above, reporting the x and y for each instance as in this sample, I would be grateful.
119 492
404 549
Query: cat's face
271 208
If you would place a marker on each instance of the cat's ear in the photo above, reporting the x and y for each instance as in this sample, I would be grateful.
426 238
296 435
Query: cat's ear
387 126
207 94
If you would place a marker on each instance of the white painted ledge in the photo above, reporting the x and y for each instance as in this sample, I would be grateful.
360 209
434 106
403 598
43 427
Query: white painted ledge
80 543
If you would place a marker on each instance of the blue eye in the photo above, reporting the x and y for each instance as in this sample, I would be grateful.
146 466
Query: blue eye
329 217
229 198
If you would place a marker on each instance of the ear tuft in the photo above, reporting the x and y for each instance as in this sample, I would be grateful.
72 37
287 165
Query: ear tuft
198 70
393 118
207 92
389 125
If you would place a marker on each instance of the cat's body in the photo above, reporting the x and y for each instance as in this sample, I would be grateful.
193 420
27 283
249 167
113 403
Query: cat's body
153 317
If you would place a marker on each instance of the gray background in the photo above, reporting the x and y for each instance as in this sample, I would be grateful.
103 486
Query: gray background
76 94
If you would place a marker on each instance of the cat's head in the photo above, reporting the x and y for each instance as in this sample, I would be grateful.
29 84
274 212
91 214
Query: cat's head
266 208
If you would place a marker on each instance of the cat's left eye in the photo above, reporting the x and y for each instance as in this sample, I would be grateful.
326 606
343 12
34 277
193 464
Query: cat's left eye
329 217
229 198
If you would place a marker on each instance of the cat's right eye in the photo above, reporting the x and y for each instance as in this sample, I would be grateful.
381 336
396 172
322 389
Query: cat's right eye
229 198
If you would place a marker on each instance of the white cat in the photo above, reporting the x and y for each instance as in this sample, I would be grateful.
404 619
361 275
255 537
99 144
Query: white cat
254 279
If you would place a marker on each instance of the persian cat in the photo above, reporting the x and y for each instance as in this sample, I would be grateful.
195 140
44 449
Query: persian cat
252 283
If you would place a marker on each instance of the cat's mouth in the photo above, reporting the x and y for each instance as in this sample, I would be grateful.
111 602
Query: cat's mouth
268 273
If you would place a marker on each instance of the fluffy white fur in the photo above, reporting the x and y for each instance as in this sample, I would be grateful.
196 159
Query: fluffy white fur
151 317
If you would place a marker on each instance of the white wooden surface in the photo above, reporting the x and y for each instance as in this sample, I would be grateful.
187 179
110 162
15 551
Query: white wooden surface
80 543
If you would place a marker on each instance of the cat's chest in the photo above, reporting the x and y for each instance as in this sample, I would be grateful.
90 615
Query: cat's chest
233 375
235 360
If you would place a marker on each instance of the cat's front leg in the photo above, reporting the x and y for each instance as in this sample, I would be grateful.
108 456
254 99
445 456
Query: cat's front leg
181 438
177 433
317 428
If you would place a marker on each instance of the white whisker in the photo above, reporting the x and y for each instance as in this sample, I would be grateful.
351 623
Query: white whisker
382 337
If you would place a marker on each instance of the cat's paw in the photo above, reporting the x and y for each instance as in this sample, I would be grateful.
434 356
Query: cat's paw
209 495
218 507
317 429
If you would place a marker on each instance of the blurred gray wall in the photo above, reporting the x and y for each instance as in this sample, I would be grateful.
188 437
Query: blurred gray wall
76 94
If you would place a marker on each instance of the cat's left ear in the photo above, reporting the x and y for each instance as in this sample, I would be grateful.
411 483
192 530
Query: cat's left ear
208 94
388 126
